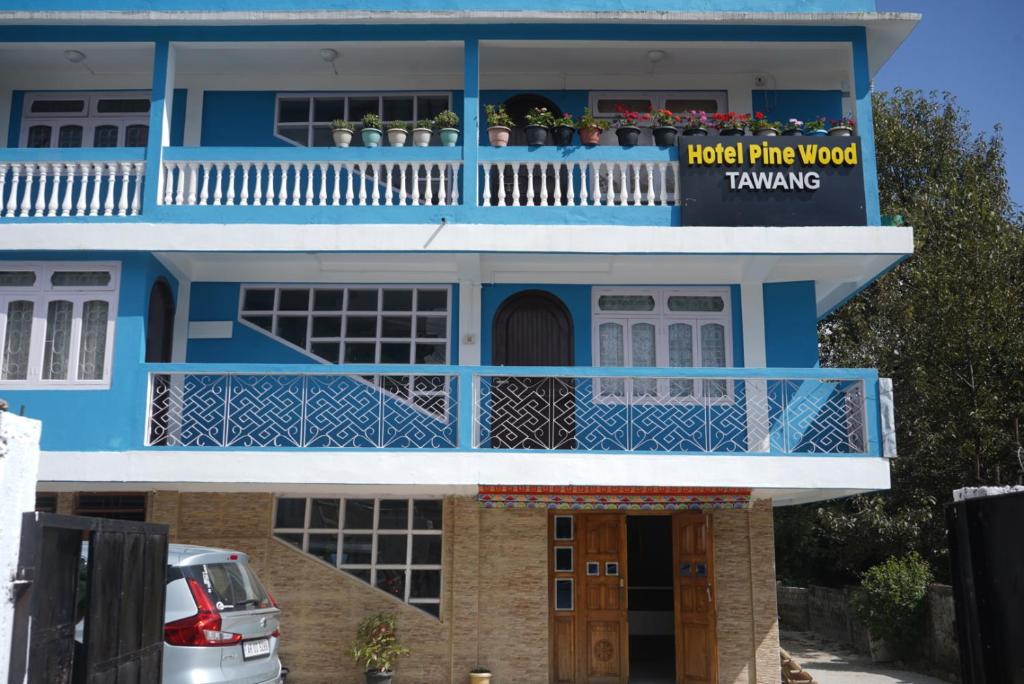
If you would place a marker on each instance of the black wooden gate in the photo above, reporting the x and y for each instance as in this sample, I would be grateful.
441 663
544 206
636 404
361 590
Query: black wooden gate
104 579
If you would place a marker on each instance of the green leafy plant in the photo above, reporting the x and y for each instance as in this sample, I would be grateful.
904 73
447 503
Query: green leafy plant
760 122
815 125
891 601
565 120
588 120
497 116
664 117
376 646
694 119
540 116
371 121
627 118
447 119
844 122
793 125
725 121
400 125
341 125
425 123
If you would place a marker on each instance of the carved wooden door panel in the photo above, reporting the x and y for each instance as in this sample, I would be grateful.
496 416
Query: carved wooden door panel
604 630
696 623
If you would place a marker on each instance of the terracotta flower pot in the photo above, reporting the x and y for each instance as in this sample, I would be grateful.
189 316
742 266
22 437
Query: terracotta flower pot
498 135
590 136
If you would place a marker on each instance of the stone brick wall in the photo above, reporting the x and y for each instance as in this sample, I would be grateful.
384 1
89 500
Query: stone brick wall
748 636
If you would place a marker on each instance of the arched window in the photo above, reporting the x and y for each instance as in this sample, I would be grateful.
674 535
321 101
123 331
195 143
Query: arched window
160 323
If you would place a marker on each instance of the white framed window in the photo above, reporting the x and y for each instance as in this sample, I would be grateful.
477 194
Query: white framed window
662 328
393 544
57 324
604 104
304 119
63 119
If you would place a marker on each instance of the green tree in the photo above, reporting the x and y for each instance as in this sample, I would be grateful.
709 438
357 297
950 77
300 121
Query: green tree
947 326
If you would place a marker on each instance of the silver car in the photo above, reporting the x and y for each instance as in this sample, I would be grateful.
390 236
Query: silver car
220 624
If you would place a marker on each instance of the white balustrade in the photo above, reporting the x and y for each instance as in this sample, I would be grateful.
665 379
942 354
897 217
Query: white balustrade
53 189
579 183
311 184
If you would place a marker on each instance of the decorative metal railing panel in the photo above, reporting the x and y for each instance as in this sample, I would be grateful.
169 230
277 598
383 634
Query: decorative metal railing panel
584 183
71 188
302 410
675 413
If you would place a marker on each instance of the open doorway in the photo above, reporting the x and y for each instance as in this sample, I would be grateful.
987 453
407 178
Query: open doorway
651 604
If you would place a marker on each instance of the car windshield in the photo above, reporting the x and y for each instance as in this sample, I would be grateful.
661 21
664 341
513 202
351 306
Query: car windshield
230 586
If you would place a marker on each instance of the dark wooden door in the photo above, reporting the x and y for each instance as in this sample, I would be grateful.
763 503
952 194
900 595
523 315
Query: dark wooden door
533 328
696 621
604 624
160 323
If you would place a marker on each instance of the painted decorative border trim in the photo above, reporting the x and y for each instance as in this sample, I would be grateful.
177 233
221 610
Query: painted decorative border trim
615 498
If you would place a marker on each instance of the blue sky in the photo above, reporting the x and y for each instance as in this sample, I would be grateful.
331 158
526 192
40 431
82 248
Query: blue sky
975 50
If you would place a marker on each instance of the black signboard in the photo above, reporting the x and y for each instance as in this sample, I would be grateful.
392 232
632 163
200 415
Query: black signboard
772 181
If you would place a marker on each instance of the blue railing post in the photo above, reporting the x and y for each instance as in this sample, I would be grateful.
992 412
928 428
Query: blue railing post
160 101
466 392
866 127
471 123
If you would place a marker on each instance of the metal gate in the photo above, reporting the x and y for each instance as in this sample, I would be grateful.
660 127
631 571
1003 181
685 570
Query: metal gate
89 604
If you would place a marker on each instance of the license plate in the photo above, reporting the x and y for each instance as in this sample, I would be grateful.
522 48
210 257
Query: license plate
257 648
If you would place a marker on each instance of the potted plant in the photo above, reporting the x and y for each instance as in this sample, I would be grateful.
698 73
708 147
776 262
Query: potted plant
695 122
664 123
398 133
844 126
341 132
371 130
591 128
376 648
627 125
499 125
761 126
730 123
793 127
479 675
816 127
538 121
448 122
421 133
562 130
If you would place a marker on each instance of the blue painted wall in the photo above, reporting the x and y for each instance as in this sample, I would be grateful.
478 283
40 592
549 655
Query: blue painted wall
93 420
806 105
791 325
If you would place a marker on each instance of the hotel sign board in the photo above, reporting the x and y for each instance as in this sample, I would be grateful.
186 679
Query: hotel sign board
772 181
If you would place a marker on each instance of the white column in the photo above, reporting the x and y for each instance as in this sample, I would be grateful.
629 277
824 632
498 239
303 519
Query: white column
19 469
469 322
193 117
179 347
755 356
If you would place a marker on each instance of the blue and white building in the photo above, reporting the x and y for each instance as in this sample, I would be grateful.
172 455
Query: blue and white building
531 399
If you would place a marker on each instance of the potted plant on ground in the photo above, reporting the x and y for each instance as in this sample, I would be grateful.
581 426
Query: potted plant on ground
421 133
844 126
793 127
499 125
761 126
479 675
730 123
398 133
627 125
664 123
695 122
341 132
448 123
376 648
371 132
538 121
816 127
591 128
562 130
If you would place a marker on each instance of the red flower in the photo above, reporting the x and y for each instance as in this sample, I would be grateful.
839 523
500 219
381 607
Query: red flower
758 115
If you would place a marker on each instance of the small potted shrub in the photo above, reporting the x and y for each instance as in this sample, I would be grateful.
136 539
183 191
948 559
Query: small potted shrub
421 133
479 675
562 130
398 133
341 132
371 130
730 123
499 125
761 126
816 127
376 648
448 123
664 123
591 128
843 126
627 125
793 127
538 121
695 122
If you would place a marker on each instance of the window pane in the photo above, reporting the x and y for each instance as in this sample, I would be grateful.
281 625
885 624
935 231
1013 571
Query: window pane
426 549
358 514
358 107
644 356
425 584
430 354
328 300
327 326
392 581
265 322
363 575
93 346
431 327
611 347
357 549
70 136
676 303
360 352
17 339
293 300
563 559
685 105
292 329
324 514
295 539
680 355
38 136
398 300
712 351
80 278
563 594
123 106
328 351
362 300
398 108
429 106
136 135
625 303
396 326
299 136
258 300
105 136
327 109
58 340
292 110
324 547
430 608
563 527
426 515
392 352
361 326
17 278
391 549
322 137
432 300
291 513
611 106
58 106
394 514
